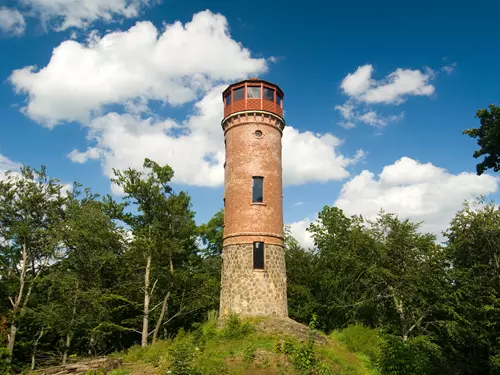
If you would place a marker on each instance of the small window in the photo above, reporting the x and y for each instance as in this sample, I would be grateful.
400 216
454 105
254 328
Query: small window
253 92
258 133
269 94
228 99
257 189
258 255
278 100
239 94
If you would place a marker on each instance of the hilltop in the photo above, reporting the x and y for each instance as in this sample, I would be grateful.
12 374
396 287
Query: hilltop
251 347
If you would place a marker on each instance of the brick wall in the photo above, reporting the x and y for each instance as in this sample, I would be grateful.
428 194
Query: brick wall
247 156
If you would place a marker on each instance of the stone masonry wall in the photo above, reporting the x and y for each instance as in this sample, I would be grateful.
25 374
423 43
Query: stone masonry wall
253 292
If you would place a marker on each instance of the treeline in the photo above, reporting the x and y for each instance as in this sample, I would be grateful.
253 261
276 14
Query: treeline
84 275
436 308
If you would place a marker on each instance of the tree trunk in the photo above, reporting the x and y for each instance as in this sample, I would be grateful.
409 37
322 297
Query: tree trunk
68 335
33 362
160 319
145 320
66 348
16 304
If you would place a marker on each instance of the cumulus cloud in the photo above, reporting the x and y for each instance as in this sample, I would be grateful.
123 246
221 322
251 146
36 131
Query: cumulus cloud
313 157
174 66
182 64
81 157
419 191
394 89
298 230
11 21
64 14
7 165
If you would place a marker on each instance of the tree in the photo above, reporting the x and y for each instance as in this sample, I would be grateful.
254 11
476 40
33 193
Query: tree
211 234
31 209
93 247
472 336
488 139
162 227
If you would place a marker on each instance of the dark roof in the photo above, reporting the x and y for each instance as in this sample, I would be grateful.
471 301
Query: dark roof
253 80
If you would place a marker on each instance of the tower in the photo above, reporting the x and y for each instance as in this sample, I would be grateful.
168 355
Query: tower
253 271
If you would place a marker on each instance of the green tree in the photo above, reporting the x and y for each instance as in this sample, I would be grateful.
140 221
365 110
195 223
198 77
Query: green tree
31 209
211 234
93 246
472 335
488 139
162 228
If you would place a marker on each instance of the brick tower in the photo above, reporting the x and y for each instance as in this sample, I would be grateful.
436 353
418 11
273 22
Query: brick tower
253 271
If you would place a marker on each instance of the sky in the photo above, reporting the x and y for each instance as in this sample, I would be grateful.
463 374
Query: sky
377 95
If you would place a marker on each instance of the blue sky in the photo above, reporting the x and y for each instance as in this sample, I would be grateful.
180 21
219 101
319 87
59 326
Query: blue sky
376 96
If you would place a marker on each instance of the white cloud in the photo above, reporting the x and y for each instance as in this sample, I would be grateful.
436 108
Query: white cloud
374 119
449 69
81 157
298 230
174 66
421 192
63 14
355 84
7 165
313 157
11 21
346 110
351 116
394 89
297 204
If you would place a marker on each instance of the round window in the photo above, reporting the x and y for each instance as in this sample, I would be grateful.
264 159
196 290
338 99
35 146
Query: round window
258 133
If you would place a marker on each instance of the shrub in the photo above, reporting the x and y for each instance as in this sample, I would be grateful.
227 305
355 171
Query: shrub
5 367
234 328
361 339
414 356
151 354
181 354
495 364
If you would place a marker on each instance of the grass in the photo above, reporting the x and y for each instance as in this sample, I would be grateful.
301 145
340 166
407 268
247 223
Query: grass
238 349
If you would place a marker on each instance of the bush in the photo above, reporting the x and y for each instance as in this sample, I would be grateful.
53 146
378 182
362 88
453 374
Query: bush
5 367
234 328
152 354
412 357
361 339
495 364
181 355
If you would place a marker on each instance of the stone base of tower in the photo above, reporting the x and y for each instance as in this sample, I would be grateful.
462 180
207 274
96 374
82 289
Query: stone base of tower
249 292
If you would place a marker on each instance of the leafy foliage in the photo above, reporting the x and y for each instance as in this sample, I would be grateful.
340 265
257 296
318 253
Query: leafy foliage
488 139
83 275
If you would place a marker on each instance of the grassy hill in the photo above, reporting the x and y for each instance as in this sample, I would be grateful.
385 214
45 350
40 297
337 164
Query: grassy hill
242 348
